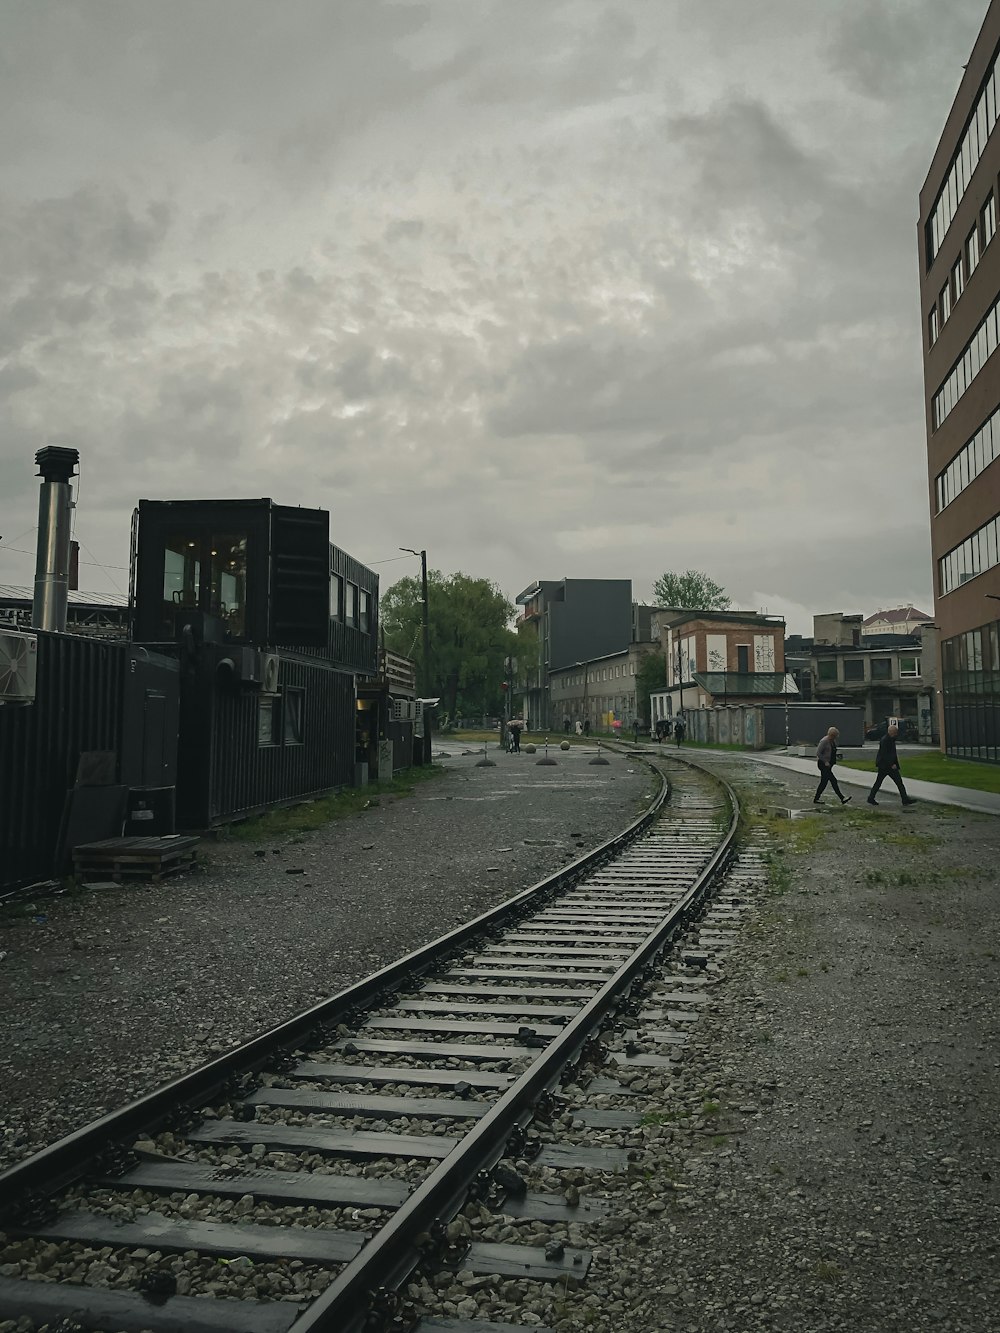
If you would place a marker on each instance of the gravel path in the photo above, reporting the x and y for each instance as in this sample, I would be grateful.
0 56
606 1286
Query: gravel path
829 1156
106 994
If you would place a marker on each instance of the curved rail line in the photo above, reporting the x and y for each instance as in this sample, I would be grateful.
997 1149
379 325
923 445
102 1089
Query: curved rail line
475 1029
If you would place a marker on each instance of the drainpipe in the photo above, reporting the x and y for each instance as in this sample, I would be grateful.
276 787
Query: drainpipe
55 504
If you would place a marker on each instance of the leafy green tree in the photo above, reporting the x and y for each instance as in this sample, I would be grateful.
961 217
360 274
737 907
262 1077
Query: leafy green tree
691 590
650 675
469 637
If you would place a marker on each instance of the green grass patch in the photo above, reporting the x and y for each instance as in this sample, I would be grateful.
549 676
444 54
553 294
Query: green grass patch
311 815
937 767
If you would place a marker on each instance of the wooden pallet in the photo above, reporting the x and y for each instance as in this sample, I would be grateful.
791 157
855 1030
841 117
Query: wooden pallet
150 858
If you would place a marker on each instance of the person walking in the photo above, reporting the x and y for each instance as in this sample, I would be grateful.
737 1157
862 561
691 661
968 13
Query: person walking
514 728
826 757
887 764
680 727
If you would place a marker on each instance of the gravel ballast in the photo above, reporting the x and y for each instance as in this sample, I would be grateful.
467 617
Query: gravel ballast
109 993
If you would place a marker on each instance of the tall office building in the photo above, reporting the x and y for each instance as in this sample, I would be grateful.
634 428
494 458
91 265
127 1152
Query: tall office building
960 300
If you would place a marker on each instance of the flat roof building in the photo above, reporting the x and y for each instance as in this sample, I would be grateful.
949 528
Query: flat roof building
960 302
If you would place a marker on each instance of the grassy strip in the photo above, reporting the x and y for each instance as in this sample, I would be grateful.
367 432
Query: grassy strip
311 815
937 767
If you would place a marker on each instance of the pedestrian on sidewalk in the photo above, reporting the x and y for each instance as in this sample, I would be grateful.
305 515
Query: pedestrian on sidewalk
680 727
826 757
887 764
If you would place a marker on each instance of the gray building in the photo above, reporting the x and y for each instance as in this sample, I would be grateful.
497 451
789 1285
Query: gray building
600 690
568 623
887 675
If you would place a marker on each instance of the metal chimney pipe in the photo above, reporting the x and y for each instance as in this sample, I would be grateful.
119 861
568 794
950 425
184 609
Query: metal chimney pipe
55 503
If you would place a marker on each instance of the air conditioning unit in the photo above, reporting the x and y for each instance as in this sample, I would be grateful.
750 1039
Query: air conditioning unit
270 664
18 665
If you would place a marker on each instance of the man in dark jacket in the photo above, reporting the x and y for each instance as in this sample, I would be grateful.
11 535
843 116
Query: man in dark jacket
887 763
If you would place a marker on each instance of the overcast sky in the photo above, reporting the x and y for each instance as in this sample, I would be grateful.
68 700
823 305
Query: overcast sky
553 288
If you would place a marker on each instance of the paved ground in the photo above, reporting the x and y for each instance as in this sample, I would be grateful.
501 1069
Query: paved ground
941 793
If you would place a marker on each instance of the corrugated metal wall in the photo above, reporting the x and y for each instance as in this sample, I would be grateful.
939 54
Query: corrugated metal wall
77 708
246 775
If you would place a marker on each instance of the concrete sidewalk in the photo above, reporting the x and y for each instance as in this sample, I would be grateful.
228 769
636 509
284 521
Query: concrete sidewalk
985 802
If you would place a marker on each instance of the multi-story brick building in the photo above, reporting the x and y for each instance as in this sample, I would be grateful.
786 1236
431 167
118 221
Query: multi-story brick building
719 657
960 300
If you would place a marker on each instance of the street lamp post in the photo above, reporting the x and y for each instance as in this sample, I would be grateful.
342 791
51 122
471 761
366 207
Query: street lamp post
427 647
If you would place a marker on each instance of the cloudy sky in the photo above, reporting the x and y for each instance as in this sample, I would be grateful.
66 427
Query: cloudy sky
553 288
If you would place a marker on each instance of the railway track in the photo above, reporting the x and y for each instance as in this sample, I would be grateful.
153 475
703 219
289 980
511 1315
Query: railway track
332 1172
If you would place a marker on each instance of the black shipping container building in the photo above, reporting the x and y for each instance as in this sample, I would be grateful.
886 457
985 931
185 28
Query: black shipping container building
270 624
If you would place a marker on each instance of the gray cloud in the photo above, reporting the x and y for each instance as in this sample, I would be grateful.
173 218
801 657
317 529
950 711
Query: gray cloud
579 288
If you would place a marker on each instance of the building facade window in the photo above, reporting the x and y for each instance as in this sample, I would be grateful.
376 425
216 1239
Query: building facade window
957 278
971 693
909 667
364 611
881 668
977 352
293 716
350 603
336 596
989 218
973 458
268 717
972 252
827 669
970 558
933 325
963 164
854 668
945 302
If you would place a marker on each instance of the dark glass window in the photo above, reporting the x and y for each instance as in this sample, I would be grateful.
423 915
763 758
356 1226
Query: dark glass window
364 613
828 668
267 720
336 596
207 574
227 582
881 668
351 604
293 716
854 668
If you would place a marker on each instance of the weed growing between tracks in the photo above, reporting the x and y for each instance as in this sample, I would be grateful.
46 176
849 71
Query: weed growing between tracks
312 815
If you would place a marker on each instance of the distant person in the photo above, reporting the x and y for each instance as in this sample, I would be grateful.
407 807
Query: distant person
826 757
566 723
579 727
662 729
514 728
635 729
680 727
887 764
586 726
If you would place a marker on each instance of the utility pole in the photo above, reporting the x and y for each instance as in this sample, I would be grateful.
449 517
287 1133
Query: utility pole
427 648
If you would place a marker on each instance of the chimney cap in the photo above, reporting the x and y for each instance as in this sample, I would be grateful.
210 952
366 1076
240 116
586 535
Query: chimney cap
56 464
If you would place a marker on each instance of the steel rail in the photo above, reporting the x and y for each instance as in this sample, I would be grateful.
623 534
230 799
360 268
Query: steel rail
385 1262
69 1158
